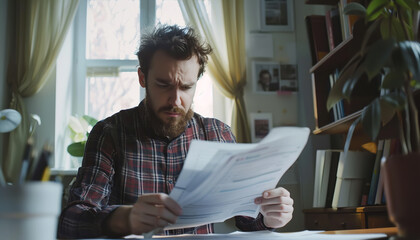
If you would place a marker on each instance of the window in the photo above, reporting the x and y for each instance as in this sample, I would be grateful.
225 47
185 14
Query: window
108 37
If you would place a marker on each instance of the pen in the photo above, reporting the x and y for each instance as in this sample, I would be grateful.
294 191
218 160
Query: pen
42 165
25 160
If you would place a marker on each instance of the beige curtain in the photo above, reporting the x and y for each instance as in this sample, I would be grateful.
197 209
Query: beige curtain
224 30
41 27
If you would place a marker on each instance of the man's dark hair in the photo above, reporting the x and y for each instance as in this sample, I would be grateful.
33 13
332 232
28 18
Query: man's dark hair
179 43
264 71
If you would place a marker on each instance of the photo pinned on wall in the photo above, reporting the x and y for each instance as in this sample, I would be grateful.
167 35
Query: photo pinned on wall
261 124
288 79
276 15
266 77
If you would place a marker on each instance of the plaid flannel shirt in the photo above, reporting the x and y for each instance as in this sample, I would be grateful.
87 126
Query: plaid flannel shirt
123 160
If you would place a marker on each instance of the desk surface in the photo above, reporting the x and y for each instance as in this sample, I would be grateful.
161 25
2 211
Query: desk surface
390 231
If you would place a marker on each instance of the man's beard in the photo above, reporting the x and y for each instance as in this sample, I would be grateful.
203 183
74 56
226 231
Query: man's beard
173 127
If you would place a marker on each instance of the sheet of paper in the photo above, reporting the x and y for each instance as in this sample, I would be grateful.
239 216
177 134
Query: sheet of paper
267 235
221 180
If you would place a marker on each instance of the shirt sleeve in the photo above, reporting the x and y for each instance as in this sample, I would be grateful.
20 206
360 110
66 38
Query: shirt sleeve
88 198
248 224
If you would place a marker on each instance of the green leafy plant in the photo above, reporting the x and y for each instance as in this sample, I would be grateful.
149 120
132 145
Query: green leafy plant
79 131
395 57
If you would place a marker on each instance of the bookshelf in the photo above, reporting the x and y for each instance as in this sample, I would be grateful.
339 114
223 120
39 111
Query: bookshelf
327 123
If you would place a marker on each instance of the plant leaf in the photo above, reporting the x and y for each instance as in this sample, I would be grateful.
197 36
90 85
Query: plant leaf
403 4
375 9
393 80
355 8
388 110
413 4
371 119
350 84
377 55
336 93
396 100
350 133
371 29
397 30
411 54
91 121
385 27
76 149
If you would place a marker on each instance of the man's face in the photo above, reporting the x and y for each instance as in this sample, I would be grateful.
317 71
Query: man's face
170 87
265 79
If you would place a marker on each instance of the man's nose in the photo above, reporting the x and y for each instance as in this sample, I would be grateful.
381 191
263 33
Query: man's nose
175 97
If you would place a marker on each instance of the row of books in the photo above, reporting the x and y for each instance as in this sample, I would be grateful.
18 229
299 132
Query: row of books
325 32
350 179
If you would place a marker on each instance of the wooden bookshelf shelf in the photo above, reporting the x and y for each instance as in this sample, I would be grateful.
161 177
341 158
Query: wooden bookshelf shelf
335 60
340 126
347 218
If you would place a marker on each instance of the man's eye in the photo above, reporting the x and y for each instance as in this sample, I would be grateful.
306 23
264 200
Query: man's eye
186 87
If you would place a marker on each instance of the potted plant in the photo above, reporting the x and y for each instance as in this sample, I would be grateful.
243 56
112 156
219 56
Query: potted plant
79 131
395 56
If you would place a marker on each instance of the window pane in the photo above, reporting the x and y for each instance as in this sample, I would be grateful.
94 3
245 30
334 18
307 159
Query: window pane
112 29
168 12
108 95
203 99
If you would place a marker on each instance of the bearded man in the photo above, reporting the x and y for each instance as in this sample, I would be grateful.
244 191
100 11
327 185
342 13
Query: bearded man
133 158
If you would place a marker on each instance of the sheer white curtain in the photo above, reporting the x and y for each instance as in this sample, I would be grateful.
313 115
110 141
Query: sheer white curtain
225 33
41 27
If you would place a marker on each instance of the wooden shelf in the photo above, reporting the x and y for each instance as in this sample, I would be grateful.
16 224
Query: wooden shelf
347 218
340 126
322 2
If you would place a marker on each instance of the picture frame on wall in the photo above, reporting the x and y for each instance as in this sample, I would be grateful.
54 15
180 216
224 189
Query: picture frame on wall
261 124
277 15
288 78
266 77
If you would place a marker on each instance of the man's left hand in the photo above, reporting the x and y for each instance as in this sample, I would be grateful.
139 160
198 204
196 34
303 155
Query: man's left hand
276 207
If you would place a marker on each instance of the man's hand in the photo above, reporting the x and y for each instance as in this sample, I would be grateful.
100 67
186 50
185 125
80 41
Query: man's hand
276 207
151 211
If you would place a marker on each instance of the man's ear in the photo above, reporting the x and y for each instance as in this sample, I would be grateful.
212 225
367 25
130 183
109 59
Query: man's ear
142 78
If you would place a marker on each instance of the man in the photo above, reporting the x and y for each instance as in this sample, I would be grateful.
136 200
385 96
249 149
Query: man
265 81
133 158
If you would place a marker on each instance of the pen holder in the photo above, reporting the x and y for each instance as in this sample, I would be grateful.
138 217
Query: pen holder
30 211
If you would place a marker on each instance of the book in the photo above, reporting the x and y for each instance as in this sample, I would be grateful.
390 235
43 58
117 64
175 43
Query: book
353 169
325 172
375 173
332 178
317 35
333 24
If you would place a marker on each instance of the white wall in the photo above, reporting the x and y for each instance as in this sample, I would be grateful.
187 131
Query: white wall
295 109
283 108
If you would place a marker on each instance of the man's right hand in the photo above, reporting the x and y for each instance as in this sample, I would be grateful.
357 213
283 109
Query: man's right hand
151 211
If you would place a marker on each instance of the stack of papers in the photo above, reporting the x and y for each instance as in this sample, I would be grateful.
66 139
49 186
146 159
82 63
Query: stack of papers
267 235
221 180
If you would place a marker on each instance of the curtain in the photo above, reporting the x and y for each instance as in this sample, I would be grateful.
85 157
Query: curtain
225 33
41 28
